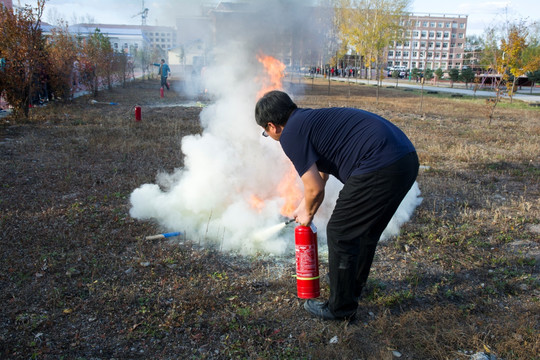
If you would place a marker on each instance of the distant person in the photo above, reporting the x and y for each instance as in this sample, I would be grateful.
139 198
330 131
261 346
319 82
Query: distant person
164 72
377 164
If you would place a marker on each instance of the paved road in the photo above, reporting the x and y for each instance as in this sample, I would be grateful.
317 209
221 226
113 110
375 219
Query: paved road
523 95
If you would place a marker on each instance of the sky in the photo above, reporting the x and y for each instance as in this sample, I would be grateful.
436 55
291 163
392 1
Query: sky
481 13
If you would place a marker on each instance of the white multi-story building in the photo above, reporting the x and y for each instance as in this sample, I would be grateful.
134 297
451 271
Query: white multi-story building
431 41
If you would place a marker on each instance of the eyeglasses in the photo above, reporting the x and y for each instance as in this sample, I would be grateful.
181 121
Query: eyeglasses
264 133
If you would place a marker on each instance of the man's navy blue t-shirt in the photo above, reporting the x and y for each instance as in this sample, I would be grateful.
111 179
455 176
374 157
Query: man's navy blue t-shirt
342 141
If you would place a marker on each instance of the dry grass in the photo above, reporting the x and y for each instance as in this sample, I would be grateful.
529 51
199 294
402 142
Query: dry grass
77 280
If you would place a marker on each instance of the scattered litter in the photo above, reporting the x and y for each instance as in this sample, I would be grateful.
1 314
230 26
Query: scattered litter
334 340
425 167
145 263
101 102
396 353
482 356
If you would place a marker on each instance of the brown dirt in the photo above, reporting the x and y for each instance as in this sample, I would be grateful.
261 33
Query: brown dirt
78 280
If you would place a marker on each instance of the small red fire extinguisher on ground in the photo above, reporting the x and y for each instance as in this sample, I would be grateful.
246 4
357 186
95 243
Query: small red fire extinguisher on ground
307 262
137 113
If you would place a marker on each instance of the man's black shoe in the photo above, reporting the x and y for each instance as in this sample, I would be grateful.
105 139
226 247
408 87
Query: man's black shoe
321 311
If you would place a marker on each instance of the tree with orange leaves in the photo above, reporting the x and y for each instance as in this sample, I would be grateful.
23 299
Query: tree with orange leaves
23 48
62 52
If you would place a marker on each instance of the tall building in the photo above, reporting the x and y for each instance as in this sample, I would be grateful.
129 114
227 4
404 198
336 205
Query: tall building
432 41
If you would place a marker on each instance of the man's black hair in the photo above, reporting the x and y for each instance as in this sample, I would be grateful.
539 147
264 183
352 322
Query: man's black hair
275 107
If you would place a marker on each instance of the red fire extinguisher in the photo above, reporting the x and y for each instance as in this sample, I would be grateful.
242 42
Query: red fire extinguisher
137 113
307 262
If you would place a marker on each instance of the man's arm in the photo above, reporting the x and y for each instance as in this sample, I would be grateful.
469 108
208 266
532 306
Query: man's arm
314 183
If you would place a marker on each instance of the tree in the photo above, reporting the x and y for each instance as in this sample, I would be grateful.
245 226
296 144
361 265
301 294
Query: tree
415 74
428 74
97 61
395 75
23 48
439 73
467 75
62 52
368 27
454 76
534 77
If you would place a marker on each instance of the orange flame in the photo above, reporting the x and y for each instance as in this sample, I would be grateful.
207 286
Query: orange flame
288 188
275 70
256 202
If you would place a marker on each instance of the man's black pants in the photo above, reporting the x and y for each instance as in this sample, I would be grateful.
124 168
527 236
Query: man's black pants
364 207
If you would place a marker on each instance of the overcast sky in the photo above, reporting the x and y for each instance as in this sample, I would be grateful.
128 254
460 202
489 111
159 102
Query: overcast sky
481 13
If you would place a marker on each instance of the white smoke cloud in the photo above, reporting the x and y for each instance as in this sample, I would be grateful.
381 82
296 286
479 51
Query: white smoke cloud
210 198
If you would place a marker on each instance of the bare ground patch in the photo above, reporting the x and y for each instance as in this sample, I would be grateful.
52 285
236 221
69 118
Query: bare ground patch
78 280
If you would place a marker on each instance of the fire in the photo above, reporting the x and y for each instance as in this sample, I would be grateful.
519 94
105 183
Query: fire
288 189
256 202
275 71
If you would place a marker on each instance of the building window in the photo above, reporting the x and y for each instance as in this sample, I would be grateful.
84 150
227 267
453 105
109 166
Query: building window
441 24
415 44
454 25
390 53
424 34
423 44
125 45
418 23
460 35
444 55
405 54
458 56
431 34
460 45
447 25
446 34
432 24
116 45
415 54
407 44
430 45
429 55
415 34
453 36
413 64
462 26
398 53
425 23
445 45
457 65
439 34
438 45
443 66
437 55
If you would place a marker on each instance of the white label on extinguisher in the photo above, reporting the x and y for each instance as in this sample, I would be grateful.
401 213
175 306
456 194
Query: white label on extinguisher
306 261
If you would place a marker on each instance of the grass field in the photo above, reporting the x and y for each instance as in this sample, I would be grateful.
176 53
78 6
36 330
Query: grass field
78 280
